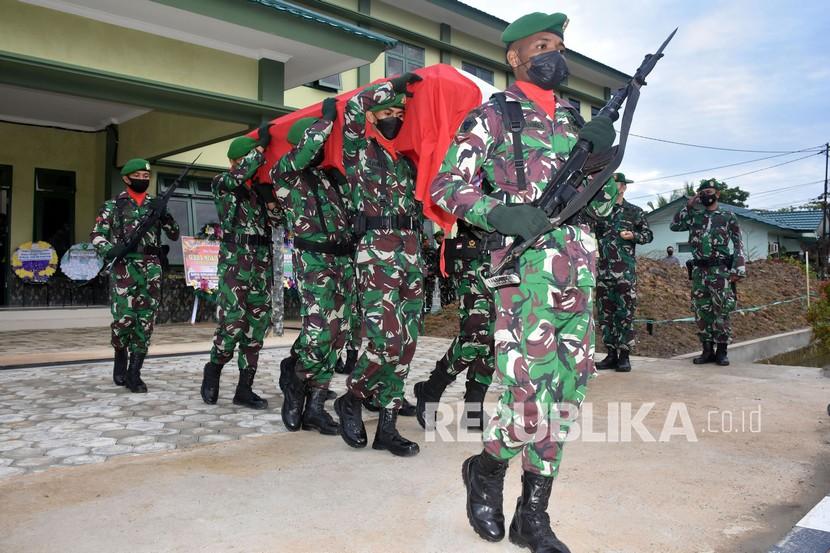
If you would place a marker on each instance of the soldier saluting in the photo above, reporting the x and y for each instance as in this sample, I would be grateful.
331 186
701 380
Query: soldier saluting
245 212
311 199
544 325
136 273
617 276
712 269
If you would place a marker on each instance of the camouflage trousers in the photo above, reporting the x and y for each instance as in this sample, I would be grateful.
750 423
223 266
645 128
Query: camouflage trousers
325 282
390 280
544 342
429 291
616 304
712 302
354 311
448 291
244 300
472 349
135 294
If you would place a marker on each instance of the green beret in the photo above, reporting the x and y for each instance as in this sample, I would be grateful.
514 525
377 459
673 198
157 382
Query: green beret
241 146
298 129
533 23
134 165
711 183
620 177
399 101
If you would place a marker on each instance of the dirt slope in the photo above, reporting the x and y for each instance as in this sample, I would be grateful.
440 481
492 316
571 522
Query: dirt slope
664 294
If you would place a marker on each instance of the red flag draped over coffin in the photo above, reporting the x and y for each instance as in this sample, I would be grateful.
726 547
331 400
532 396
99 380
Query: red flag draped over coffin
440 102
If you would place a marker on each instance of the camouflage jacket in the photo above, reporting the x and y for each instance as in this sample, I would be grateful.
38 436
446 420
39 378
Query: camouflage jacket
483 143
710 233
118 220
617 259
306 195
239 209
378 183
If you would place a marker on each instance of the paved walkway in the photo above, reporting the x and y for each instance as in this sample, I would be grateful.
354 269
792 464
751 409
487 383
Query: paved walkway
156 480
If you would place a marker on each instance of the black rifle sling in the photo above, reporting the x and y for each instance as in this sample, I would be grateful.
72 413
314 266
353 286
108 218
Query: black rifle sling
311 178
514 122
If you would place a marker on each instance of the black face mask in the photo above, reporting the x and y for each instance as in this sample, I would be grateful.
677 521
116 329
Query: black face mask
670 253
708 200
389 127
139 185
548 70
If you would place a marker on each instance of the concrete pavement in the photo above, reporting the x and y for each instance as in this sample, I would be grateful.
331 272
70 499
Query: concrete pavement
728 486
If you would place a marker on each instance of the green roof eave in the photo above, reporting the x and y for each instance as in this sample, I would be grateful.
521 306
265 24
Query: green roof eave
292 22
40 74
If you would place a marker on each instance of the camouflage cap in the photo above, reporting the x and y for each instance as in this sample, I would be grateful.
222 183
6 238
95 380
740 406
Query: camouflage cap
134 165
298 129
711 183
241 146
399 101
535 22
620 177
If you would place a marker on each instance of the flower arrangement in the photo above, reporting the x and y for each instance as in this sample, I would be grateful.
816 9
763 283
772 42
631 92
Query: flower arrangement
35 261
211 231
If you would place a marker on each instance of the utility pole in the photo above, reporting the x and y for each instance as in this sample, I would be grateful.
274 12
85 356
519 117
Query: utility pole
823 242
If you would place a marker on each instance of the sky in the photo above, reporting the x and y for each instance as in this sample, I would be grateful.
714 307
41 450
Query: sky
740 74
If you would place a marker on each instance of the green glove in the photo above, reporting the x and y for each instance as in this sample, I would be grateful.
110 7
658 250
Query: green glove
600 132
330 109
522 220
264 135
116 251
399 83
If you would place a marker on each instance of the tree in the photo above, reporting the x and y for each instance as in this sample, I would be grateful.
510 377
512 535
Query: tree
662 201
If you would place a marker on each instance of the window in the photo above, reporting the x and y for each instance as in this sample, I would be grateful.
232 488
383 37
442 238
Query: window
684 247
484 74
330 83
54 204
575 103
191 205
594 111
404 58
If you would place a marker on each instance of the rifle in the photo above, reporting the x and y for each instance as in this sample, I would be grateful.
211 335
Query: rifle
561 199
154 214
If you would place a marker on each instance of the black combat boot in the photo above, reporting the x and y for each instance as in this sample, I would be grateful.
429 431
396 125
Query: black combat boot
431 391
293 400
119 367
473 418
133 380
244 395
370 405
531 524
388 438
610 361
315 416
720 355
708 356
340 367
351 361
407 409
287 372
348 408
623 362
483 477
210 382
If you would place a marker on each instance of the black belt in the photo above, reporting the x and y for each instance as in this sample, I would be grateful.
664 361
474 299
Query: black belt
248 240
334 248
148 250
392 222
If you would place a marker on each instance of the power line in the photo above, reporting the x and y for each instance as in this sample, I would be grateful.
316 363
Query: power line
771 166
774 191
722 149
662 177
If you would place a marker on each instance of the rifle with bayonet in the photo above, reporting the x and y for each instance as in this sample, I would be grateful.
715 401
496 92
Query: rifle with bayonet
562 198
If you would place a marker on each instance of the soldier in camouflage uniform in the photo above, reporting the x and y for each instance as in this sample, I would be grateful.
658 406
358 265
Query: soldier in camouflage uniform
430 255
446 283
544 329
713 269
136 275
468 259
246 211
354 334
314 208
617 277
390 268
